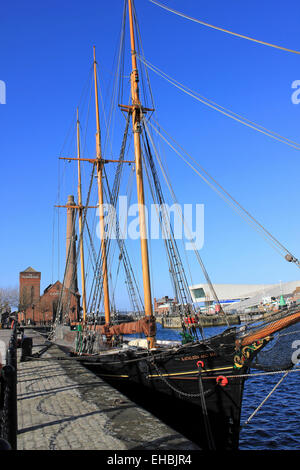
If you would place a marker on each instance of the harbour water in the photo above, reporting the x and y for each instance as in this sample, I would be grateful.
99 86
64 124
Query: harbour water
276 426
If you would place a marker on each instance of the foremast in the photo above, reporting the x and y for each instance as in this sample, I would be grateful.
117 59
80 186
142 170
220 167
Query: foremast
99 167
80 212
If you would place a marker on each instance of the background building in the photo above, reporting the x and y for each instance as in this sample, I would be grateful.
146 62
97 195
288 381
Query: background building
240 296
40 309
165 305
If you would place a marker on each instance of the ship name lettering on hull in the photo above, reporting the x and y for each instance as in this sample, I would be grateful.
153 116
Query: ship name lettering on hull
201 356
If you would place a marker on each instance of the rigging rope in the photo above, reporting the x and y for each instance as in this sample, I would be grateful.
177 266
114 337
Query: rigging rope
264 43
267 397
184 222
140 52
225 111
232 202
62 305
181 290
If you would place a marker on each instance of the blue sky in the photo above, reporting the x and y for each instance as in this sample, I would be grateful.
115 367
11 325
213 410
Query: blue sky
45 60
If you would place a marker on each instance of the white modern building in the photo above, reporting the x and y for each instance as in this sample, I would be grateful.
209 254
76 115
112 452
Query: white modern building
240 296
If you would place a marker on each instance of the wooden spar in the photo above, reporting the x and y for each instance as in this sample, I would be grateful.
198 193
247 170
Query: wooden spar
271 328
74 206
136 117
99 166
94 160
80 224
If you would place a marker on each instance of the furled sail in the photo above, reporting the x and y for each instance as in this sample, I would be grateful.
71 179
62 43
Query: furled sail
146 325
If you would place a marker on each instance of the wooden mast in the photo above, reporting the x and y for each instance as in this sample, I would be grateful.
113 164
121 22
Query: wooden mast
80 209
99 166
136 118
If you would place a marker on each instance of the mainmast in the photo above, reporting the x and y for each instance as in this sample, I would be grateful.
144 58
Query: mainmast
99 166
136 110
80 210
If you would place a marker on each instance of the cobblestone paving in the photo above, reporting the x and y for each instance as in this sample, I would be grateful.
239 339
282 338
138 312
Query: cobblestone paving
62 406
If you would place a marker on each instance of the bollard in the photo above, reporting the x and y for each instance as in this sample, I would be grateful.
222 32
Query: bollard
26 346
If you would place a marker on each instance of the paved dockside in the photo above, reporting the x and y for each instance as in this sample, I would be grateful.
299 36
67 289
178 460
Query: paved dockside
63 406
5 336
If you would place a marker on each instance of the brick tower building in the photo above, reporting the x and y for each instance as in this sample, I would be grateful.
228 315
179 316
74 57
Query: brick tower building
41 309
30 284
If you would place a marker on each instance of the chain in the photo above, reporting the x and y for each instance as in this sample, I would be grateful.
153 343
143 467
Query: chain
192 395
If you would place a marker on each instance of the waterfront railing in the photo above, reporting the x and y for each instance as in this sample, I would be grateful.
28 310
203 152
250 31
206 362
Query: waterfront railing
8 396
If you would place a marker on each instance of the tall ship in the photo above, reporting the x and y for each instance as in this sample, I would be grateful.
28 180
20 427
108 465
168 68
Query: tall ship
204 375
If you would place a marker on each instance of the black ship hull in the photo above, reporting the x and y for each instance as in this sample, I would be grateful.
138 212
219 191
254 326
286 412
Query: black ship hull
177 376
206 377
